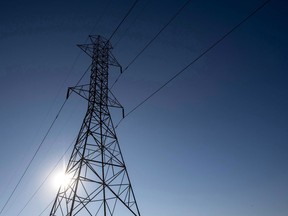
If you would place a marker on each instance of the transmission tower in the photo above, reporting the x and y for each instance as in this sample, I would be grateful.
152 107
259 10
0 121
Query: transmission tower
98 179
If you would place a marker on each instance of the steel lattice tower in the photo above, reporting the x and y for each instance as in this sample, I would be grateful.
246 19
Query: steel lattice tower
99 183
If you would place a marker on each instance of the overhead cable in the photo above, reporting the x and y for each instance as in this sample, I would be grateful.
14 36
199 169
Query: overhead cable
152 40
38 148
46 178
126 15
197 58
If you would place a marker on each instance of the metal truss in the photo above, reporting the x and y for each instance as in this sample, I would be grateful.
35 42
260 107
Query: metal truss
99 184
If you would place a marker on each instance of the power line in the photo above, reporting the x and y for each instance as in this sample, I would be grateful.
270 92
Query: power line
197 58
38 148
46 178
152 40
126 15
46 207
131 24
33 157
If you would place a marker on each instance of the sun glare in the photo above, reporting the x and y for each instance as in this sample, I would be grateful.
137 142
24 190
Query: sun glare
61 180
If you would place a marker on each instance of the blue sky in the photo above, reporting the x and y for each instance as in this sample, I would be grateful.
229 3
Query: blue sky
213 142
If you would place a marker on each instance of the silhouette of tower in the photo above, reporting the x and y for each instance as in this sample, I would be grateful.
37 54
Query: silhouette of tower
98 179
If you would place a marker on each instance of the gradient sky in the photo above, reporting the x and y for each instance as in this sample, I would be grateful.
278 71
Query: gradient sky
214 142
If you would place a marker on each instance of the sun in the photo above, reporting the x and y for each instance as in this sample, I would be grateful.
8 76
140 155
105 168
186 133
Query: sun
61 179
